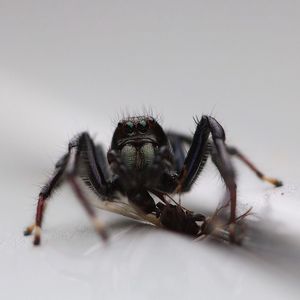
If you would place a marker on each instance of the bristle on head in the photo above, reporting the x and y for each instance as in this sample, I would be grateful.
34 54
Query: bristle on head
137 115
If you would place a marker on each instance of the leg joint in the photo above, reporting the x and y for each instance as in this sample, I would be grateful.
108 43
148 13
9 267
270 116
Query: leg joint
216 129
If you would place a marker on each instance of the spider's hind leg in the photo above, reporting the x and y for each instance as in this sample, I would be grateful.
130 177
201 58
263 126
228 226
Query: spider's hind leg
179 141
235 152
80 161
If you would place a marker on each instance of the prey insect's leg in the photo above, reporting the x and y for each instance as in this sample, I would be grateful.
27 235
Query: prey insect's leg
235 152
80 161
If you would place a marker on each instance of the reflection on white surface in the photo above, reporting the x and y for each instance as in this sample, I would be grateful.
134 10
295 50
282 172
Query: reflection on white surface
70 67
142 262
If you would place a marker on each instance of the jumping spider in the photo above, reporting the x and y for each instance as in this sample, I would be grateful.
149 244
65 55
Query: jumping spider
144 161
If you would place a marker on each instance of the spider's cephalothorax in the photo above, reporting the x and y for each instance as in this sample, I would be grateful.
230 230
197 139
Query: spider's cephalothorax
143 161
139 157
137 141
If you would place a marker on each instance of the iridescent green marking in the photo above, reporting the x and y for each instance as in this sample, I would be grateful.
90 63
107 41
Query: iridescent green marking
129 124
147 155
142 126
128 154
129 127
143 123
140 158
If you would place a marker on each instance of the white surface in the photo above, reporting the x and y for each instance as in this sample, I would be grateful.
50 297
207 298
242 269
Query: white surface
72 66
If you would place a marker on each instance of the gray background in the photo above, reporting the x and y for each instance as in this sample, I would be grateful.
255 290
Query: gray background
68 66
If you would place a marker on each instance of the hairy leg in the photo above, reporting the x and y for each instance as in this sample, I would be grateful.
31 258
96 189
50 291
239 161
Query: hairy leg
197 156
80 161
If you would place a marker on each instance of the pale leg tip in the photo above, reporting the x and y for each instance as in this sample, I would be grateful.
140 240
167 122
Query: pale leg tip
278 183
29 230
37 241
101 229
275 182
37 236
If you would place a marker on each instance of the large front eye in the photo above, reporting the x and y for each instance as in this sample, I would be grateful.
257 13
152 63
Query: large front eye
142 126
129 127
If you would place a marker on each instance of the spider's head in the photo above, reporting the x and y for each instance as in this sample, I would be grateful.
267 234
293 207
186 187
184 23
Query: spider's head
136 131
137 139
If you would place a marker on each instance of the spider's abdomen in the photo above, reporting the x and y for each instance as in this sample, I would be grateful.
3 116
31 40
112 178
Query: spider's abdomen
138 157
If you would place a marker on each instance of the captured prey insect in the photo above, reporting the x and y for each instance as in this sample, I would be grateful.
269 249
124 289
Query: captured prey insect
144 161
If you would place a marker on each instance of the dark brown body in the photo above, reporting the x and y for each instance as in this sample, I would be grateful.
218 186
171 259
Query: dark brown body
144 161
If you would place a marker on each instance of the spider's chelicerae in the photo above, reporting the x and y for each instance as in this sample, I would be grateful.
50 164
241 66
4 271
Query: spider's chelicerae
144 162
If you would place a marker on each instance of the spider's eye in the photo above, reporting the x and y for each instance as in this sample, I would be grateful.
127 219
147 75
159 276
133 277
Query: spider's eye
129 127
142 126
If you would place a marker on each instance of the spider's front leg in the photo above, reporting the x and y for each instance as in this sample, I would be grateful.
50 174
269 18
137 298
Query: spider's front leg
197 156
80 161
